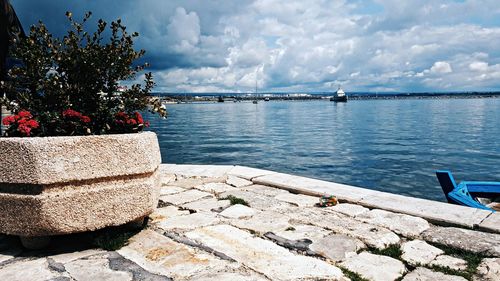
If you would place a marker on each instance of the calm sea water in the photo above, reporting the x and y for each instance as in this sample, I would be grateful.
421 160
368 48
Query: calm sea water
388 145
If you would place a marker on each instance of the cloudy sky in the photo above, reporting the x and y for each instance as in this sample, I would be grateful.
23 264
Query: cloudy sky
303 45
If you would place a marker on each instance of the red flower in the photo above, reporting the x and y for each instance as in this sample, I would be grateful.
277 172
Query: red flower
85 119
9 120
22 121
138 117
68 113
146 124
24 129
33 124
121 115
25 114
131 122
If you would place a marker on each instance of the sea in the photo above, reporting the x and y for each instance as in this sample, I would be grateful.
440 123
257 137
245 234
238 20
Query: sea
393 145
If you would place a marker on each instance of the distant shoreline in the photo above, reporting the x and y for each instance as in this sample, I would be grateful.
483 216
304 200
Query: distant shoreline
228 97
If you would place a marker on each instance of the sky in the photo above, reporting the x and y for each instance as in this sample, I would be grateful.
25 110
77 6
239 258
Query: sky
302 45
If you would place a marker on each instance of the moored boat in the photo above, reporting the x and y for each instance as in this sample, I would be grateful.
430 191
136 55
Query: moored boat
477 194
339 96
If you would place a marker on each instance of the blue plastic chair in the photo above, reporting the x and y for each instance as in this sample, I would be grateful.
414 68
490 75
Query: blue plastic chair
464 193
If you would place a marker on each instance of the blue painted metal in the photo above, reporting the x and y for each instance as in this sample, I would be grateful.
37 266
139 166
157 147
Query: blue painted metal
465 192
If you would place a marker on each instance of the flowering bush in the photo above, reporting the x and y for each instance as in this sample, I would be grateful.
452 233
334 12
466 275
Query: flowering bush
70 86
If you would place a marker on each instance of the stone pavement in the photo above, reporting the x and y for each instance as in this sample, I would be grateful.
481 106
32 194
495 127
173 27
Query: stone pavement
239 223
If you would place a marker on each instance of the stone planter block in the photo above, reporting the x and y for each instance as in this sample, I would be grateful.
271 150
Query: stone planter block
60 185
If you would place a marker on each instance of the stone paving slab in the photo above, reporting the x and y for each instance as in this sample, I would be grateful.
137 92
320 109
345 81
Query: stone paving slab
161 255
238 212
213 171
248 173
303 231
450 262
372 235
424 274
298 199
216 187
408 226
185 197
188 222
167 190
375 267
491 223
489 270
207 205
37 269
337 247
263 256
351 210
470 240
418 252
237 181
95 269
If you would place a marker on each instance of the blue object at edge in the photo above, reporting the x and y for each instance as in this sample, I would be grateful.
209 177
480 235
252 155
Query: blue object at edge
461 194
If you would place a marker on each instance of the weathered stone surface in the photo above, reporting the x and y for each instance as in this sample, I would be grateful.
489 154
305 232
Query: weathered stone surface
438 212
87 205
298 199
489 270
36 269
263 256
68 257
95 269
302 231
405 225
238 211
215 187
470 240
314 187
351 210
191 221
372 235
451 262
207 205
75 158
167 190
191 182
263 222
212 171
248 173
229 276
424 274
257 201
164 213
337 247
166 178
418 252
375 267
185 197
161 255
237 181
119 263
264 190
491 223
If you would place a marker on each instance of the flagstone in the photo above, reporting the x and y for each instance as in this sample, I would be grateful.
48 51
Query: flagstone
375 267
237 181
95 269
187 222
450 262
207 205
418 252
238 211
185 197
424 274
264 256
337 247
298 199
408 226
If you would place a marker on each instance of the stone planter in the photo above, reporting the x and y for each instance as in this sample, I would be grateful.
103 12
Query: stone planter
60 185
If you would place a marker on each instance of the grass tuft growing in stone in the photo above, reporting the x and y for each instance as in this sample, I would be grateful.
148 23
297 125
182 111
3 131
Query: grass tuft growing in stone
393 251
351 275
235 200
473 260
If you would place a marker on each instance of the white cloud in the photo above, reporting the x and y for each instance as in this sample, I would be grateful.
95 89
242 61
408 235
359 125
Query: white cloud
479 66
441 67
